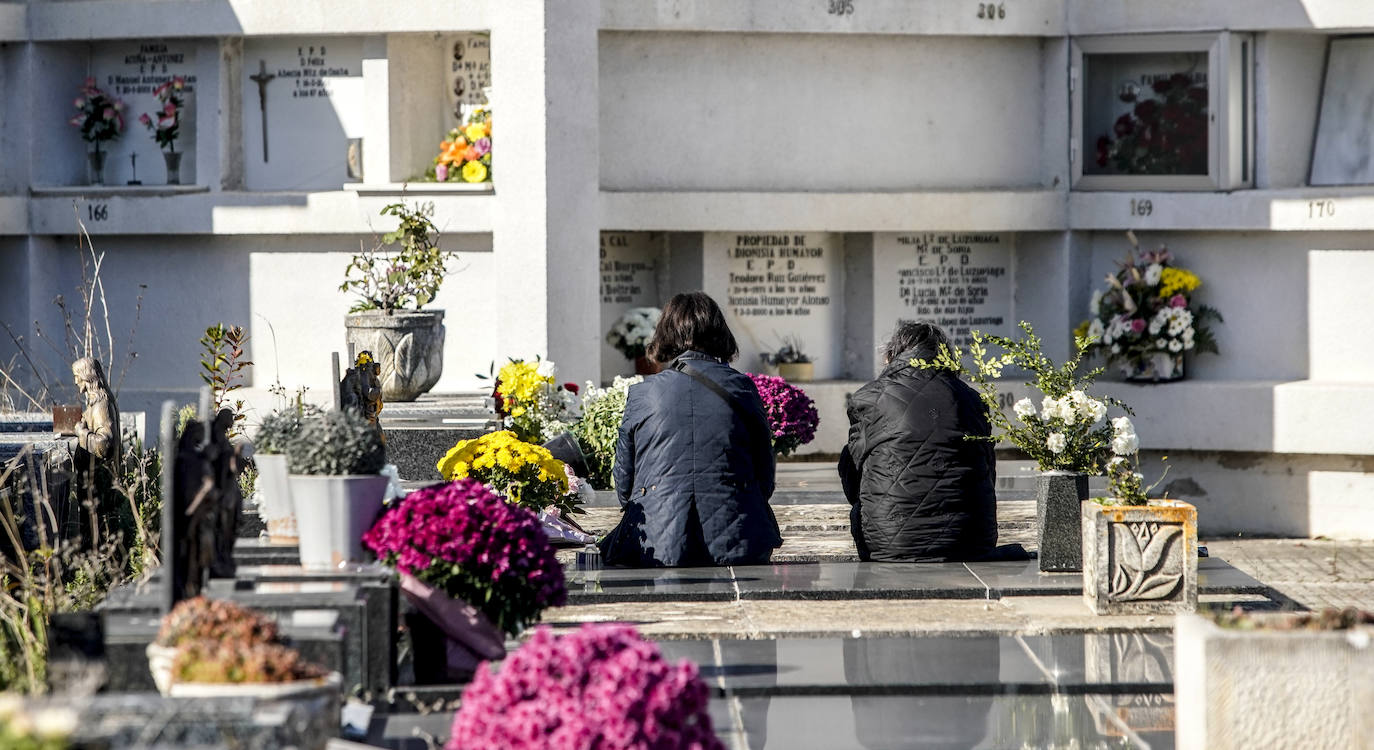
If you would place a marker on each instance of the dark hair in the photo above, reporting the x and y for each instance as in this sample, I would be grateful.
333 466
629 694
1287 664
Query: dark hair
692 321
915 334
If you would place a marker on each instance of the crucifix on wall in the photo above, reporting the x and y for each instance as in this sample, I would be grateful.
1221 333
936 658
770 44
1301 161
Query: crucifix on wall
261 78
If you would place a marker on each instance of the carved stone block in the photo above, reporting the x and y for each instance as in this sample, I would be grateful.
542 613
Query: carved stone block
1140 559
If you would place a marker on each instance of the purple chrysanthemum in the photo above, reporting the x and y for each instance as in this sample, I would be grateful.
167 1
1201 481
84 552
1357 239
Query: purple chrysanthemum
791 413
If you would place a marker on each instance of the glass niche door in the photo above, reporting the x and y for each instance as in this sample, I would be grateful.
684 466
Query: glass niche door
1163 112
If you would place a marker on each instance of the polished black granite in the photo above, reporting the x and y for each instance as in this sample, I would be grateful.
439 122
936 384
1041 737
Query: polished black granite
861 580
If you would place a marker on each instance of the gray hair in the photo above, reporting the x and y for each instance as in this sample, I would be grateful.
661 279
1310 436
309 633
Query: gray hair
915 334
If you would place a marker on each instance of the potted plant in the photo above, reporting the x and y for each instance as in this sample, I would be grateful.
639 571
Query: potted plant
473 565
524 473
393 285
1069 437
790 361
631 334
336 488
1139 553
100 117
230 668
1147 318
204 619
1245 680
166 125
791 413
599 428
277 431
598 681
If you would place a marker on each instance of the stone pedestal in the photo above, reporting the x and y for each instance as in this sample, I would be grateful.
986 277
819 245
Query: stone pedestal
1057 498
1140 559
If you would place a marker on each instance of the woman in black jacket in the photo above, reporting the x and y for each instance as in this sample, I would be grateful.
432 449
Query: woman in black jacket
694 461
920 490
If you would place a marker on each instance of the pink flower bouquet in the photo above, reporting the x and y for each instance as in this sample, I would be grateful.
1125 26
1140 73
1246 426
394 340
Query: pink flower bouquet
602 686
791 413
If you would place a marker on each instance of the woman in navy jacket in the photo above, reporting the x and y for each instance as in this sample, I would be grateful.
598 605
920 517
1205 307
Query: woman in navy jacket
694 461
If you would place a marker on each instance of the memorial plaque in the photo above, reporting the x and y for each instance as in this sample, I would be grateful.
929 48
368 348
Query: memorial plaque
777 285
468 72
629 278
958 280
302 103
130 71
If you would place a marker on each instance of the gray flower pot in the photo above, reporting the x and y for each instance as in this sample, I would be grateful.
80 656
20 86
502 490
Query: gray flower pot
408 344
1058 495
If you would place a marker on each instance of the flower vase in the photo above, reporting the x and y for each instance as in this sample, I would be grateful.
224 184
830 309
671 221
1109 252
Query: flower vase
449 637
173 160
97 163
1058 499
646 366
1154 367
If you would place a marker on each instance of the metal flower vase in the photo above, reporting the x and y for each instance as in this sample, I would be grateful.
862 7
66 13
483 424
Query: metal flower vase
96 159
173 160
1058 516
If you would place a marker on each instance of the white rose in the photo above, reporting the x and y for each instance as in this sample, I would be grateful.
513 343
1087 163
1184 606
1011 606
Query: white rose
1152 273
1115 462
1123 426
547 368
1024 409
1097 411
1049 407
1056 442
1095 304
1125 443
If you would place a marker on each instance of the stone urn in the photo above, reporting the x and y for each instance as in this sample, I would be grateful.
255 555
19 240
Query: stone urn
1140 559
408 344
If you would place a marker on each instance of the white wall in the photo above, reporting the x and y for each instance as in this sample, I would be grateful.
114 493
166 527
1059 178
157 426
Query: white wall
808 112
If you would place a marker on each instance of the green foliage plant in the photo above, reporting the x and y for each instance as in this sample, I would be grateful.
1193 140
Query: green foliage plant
280 427
1069 431
223 367
336 443
599 428
408 276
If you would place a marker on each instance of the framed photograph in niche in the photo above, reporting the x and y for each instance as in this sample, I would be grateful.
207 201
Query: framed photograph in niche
1163 112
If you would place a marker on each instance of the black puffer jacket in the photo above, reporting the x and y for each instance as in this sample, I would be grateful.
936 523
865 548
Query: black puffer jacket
693 474
921 491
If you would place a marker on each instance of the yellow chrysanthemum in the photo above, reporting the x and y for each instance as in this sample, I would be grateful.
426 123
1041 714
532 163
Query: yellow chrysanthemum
474 171
1175 280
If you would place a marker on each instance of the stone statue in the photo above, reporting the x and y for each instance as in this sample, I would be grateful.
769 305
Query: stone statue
98 431
361 387
206 503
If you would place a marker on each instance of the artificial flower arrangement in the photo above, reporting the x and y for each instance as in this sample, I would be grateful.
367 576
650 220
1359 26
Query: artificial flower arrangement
792 416
601 685
524 473
1070 430
1147 318
464 540
167 127
632 331
1162 134
99 115
529 401
598 430
465 156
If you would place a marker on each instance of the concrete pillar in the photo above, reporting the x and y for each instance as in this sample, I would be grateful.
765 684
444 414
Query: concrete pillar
377 122
546 170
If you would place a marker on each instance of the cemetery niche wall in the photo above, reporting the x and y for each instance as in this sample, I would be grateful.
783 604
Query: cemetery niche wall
632 266
133 71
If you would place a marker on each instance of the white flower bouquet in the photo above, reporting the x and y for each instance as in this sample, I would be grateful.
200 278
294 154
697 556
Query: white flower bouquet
631 333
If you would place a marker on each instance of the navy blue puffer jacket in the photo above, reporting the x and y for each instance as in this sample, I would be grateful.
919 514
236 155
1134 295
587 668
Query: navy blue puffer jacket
693 474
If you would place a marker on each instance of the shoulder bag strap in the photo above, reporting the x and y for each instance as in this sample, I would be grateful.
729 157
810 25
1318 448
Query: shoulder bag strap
750 420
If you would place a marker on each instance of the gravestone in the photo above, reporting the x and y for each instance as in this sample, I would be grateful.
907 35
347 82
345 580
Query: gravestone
130 70
468 67
960 281
302 106
777 285
630 262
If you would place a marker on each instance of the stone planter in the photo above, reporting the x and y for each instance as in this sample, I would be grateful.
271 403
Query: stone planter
408 344
1156 367
1272 688
160 660
1140 559
275 491
1058 495
797 372
332 514
259 690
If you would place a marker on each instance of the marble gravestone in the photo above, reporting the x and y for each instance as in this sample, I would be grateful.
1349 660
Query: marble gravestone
776 285
961 281
130 70
1345 133
305 96
468 73
630 263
